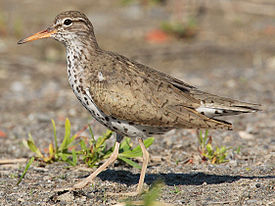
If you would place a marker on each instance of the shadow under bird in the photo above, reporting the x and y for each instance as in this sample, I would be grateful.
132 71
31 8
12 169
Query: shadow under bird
130 98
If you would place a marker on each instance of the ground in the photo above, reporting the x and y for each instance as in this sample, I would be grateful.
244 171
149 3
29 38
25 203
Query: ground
232 55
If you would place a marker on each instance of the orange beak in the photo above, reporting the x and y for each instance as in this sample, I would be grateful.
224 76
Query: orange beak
39 35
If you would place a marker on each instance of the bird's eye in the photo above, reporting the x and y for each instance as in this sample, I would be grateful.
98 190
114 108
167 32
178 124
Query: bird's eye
68 22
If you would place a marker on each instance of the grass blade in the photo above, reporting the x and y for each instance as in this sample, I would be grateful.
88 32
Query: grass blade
130 162
25 170
33 147
67 135
55 137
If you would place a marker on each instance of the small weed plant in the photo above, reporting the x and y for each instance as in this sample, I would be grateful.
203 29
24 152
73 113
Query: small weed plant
215 156
181 30
150 197
91 151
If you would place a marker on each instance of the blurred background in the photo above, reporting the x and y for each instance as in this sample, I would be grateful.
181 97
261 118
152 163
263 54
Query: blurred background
225 47
221 46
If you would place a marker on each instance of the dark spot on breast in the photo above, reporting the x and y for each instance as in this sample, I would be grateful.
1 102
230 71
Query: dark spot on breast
75 57
212 101
150 133
216 112
115 128
224 111
202 113
144 130
119 122
113 118
107 119
80 80
125 130
81 88
131 123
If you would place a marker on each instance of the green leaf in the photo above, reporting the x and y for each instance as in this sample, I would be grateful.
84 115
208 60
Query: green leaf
25 170
51 151
83 145
74 157
137 152
92 134
130 162
33 147
55 137
125 144
101 140
64 156
154 192
149 141
67 135
209 148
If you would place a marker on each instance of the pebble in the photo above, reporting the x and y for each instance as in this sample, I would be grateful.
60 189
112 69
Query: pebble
270 63
66 197
246 135
17 86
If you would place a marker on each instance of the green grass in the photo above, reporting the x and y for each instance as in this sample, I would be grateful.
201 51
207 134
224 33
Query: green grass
149 198
207 151
76 149
181 30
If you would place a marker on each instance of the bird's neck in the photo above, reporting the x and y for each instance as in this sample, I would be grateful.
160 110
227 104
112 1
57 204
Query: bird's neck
80 52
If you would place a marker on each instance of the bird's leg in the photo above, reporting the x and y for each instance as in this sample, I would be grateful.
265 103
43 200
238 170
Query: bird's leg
144 165
111 159
142 173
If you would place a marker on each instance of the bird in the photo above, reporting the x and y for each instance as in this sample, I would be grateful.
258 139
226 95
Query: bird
128 97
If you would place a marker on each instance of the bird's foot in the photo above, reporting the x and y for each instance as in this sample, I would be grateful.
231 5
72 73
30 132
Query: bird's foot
81 184
77 186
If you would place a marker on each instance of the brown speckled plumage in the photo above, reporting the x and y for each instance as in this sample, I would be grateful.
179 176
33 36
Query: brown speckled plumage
128 97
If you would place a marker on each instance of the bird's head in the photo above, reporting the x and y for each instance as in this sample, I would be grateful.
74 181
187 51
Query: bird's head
68 26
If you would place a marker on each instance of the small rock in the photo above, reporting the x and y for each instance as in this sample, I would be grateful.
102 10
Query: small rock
246 135
231 83
270 63
66 197
17 86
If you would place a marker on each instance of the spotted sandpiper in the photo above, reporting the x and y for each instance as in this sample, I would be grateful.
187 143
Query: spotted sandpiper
130 98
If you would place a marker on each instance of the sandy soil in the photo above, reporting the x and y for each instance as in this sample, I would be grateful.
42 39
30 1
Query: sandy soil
233 55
